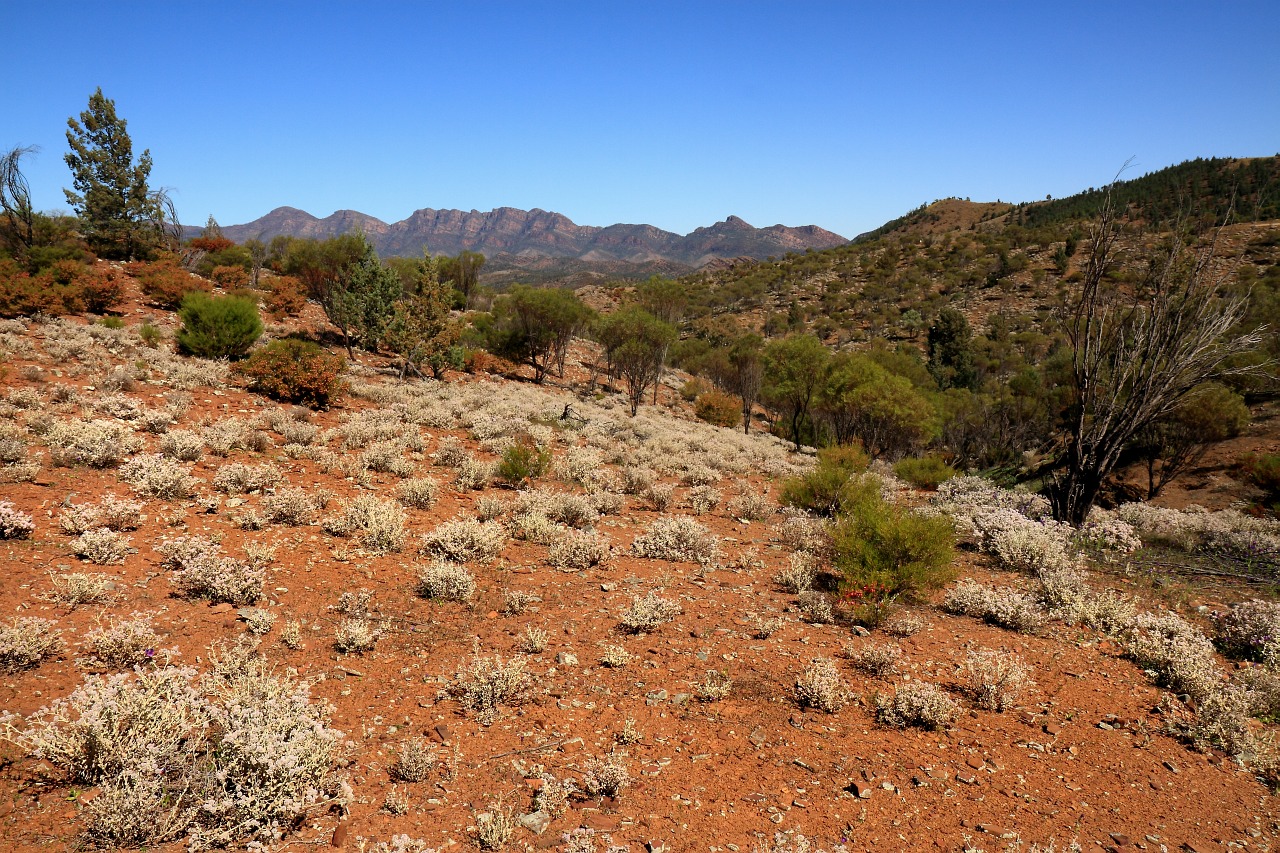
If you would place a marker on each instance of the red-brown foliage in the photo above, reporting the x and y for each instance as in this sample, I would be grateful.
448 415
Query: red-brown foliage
164 282
295 371
286 296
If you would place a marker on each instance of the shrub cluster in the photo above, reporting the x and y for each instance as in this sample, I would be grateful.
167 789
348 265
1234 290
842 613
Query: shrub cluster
1001 606
465 540
647 613
680 539
200 570
164 282
917 703
295 371
14 524
820 686
217 326
94 444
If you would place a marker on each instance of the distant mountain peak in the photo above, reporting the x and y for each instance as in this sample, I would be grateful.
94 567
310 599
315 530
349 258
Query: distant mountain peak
512 231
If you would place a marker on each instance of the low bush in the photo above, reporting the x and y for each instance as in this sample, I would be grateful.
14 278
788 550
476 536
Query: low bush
1000 606
158 477
822 490
379 522
464 540
14 524
878 543
522 462
217 327
1248 628
485 684
718 408
820 686
94 444
917 703
924 472
164 282
295 371
646 614
995 679
678 538
25 641
444 581
286 296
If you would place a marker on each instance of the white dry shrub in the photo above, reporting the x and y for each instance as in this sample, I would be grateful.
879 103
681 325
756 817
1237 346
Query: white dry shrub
660 496
605 501
917 703
1181 657
156 421
14 524
401 844
297 432
200 570
749 505
123 644
996 679
793 842
111 512
490 508
532 640
158 477
966 498
494 827
258 620
102 546
225 435
605 777
703 499
714 686
1000 606
1068 596
699 475
182 444
464 540
486 683
356 636
615 656
904 625
798 574
875 659
1248 628
416 760
291 634
517 601
554 795
386 457
72 589
379 523
25 641
805 534
637 480
577 549
579 465
445 581
1107 537
238 478
535 527
647 613
474 474
418 492
290 506
763 627
117 406
451 453
95 444
679 539
1023 545
820 686
815 607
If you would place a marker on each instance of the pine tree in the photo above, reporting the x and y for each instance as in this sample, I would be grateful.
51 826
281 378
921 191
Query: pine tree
119 216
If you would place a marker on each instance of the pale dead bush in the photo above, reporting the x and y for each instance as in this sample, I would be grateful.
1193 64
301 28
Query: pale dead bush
917 703
532 640
762 628
15 524
535 527
378 522
94 444
418 492
474 474
116 406
904 625
660 496
258 620
26 641
182 444
637 480
102 546
290 506
517 601
72 589
445 581
123 644
1000 606
703 499
356 636
200 570
158 477
486 683
679 539
804 534
577 549
875 659
615 656
451 453
226 435
465 540
815 607
494 828
239 479
798 574
647 613
1247 628
416 761
996 679
111 512
1181 657
386 457
749 505
605 777
714 686
820 686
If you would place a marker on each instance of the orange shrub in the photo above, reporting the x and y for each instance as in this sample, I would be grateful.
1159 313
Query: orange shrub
286 296
295 371
65 287
716 407
101 289
483 361
164 282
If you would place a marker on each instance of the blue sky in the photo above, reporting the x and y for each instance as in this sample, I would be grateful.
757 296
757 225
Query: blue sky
677 114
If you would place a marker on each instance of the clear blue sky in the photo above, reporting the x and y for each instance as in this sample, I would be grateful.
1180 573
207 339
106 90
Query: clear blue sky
676 114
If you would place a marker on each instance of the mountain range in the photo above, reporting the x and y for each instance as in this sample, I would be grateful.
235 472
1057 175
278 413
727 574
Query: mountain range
541 234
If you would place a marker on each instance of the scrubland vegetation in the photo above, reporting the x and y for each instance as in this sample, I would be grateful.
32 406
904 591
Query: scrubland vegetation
413 555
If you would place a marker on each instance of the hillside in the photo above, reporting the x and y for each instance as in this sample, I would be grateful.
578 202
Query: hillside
609 655
540 234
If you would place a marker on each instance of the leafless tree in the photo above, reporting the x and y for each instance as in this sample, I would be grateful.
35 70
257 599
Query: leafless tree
1137 354
15 197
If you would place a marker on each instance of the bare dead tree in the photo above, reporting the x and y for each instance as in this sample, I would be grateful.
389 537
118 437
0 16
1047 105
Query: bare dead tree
1137 355
15 197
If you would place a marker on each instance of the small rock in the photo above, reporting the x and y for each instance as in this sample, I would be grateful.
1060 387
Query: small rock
1171 767
567 659
444 733
1052 729
861 631
800 804
339 837
862 790
608 587
536 822
966 779
1121 839
975 762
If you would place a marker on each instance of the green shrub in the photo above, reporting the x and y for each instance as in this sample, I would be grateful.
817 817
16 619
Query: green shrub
1263 471
716 407
295 371
150 335
924 472
523 461
892 548
218 327
821 489
111 322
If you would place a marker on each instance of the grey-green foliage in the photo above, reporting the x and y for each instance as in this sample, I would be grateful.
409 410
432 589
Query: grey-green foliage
363 301
218 327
